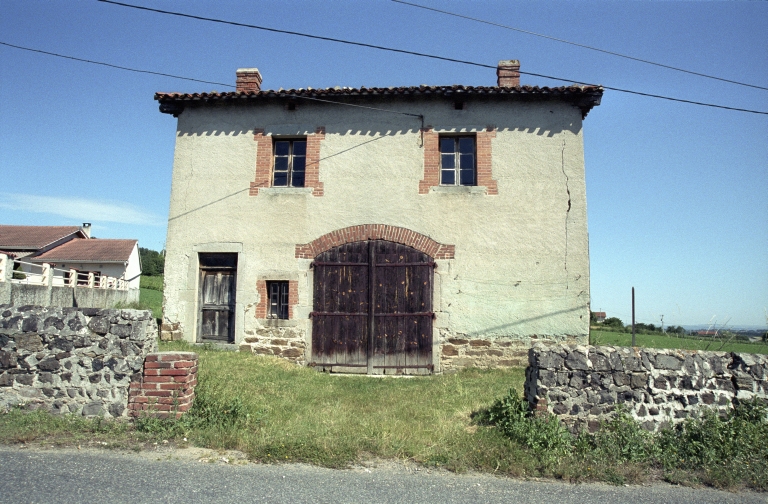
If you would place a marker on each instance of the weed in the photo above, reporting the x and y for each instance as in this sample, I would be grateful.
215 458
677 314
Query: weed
543 434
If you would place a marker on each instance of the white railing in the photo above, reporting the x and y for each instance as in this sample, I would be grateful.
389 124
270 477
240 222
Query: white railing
22 272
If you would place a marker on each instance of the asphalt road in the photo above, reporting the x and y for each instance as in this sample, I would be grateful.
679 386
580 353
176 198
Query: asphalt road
62 476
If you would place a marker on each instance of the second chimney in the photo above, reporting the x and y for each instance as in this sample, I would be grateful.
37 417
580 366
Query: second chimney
248 79
508 73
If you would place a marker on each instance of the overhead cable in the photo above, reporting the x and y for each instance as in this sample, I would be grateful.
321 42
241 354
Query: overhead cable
111 65
424 55
282 94
612 53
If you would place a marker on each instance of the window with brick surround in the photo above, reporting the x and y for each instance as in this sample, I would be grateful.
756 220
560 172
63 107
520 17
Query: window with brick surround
278 300
457 160
290 162
434 154
265 161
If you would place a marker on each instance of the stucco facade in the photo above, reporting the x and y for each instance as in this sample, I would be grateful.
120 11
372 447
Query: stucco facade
512 257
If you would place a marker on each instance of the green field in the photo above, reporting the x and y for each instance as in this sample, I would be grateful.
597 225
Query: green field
151 300
152 282
658 340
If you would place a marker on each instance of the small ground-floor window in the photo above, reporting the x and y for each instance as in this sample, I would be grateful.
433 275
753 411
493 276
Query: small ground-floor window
278 300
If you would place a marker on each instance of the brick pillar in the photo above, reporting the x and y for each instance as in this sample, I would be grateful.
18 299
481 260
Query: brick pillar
166 386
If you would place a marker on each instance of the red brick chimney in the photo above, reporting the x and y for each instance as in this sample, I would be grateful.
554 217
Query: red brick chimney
248 79
508 73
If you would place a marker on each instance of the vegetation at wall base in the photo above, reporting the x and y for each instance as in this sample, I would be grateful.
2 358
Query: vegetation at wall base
275 411
722 451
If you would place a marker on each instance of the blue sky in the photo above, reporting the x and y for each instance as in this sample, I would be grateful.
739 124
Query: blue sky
677 194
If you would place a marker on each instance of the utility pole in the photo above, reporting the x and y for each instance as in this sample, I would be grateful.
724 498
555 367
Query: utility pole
633 316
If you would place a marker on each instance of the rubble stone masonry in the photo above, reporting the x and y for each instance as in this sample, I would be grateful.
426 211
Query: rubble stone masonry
72 360
583 385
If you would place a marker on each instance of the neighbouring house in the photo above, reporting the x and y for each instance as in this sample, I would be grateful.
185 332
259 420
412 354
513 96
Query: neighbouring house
19 242
380 230
599 316
70 250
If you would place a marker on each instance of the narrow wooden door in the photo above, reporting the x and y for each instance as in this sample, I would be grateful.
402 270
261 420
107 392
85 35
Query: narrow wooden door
373 309
217 297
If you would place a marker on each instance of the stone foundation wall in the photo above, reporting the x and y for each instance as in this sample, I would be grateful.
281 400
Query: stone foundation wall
287 342
72 360
459 351
171 331
583 385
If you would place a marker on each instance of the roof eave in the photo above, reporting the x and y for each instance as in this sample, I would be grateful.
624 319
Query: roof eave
584 97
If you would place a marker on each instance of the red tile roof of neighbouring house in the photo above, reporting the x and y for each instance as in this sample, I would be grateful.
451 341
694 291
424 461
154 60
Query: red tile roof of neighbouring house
584 97
89 250
32 237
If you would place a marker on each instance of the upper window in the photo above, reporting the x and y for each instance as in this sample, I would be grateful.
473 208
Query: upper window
457 160
290 163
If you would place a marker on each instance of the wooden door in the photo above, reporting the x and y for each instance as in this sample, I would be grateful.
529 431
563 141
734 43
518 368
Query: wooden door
373 309
217 297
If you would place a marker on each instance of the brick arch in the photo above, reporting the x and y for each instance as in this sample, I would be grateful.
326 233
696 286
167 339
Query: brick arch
363 232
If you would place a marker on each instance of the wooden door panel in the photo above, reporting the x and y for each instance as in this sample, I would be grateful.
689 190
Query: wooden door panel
217 305
397 279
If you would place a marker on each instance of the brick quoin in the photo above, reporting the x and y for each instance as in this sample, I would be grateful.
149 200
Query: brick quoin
363 232
483 160
261 306
166 386
265 161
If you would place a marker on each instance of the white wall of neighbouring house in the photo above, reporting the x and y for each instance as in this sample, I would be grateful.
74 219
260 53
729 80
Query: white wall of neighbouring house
130 270
133 268
521 265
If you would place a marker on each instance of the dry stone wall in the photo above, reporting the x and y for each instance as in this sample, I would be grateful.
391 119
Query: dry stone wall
583 385
72 360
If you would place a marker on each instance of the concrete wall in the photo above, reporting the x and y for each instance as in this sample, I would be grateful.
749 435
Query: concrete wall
521 265
583 385
72 360
39 295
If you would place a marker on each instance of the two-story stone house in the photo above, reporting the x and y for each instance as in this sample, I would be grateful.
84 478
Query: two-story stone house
380 230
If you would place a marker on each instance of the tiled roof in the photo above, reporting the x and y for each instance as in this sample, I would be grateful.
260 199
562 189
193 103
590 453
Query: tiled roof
32 237
93 250
584 97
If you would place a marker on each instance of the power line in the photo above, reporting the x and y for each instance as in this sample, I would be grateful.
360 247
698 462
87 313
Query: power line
612 53
111 65
424 55
204 81
288 32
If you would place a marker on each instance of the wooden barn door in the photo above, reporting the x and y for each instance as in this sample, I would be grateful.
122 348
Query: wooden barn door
217 297
373 309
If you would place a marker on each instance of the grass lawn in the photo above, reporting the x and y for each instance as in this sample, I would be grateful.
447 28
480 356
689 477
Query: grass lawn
294 413
597 337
